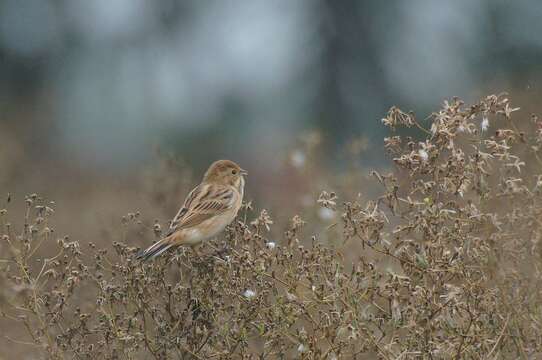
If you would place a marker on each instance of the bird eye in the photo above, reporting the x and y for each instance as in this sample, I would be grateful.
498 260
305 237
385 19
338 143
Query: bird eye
234 172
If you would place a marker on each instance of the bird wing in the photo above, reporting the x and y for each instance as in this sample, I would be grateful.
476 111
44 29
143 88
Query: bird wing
203 203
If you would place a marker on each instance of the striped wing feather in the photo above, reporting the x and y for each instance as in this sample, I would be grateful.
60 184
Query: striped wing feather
204 202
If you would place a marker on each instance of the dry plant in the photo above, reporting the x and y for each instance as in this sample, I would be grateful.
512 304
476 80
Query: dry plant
449 266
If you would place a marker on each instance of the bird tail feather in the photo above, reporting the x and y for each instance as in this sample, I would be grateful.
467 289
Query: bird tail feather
154 250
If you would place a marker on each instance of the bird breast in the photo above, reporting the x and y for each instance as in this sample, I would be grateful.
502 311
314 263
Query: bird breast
207 229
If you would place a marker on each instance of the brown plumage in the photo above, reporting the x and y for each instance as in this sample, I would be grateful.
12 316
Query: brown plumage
207 210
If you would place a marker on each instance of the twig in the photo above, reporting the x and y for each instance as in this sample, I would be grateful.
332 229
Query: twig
499 338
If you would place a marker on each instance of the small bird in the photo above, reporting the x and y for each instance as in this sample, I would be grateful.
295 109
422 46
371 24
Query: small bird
207 210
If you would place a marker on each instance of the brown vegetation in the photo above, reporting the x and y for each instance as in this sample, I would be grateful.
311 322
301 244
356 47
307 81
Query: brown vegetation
447 265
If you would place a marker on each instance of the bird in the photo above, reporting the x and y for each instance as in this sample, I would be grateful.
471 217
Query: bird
207 210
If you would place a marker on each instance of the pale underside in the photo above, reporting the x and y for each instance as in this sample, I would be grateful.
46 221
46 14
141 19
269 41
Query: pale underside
204 231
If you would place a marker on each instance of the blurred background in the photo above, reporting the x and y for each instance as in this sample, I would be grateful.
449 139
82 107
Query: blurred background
116 106
95 94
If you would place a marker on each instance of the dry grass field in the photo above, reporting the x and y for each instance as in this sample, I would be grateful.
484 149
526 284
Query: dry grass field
438 257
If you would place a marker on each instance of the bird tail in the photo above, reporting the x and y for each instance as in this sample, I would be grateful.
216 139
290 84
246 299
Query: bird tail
154 250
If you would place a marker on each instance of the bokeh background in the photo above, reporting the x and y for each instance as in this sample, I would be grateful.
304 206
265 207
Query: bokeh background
95 94
116 106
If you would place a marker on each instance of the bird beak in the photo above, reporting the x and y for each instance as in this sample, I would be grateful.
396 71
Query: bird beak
243 172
